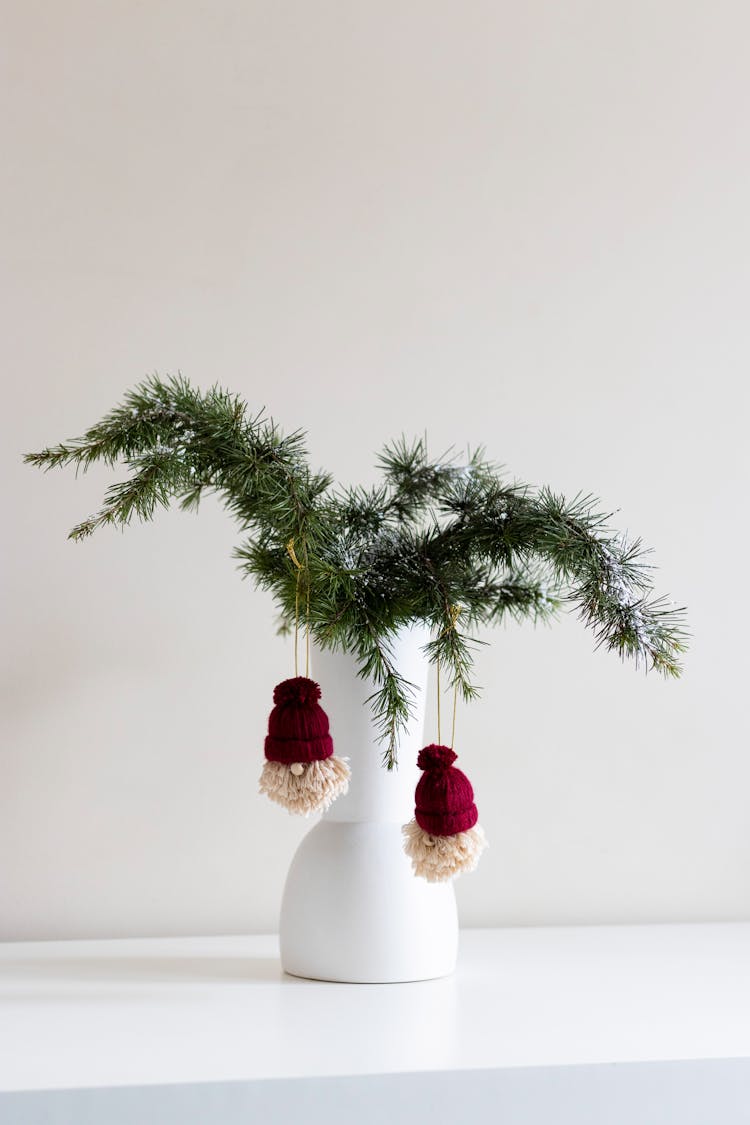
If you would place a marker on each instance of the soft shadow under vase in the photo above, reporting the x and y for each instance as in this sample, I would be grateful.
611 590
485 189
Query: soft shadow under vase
352 909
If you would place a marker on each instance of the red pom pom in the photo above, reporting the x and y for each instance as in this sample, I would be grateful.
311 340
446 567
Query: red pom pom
298 690
436 758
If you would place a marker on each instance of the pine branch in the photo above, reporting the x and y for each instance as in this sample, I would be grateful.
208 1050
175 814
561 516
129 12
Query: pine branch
158 475
607 577
179 442
523 597
393 699
435 535
412 479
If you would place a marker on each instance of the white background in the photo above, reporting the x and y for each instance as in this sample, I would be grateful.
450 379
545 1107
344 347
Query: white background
518 224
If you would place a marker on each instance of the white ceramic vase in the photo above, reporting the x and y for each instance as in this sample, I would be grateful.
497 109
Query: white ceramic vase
352 909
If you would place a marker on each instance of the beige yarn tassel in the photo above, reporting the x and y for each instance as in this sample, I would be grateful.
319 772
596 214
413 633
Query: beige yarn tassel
439 858
304 788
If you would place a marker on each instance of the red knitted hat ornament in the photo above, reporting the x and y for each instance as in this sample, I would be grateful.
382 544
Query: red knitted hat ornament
444 838
300 772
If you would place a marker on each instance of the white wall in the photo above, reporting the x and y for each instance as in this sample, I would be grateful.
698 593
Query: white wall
520 224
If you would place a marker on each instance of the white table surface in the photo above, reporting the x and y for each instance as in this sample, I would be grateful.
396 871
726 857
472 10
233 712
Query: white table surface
166 1012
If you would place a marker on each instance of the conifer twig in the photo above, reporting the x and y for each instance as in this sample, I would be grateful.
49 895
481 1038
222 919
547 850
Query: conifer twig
436 533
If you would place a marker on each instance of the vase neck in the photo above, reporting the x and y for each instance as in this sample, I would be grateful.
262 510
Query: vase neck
375 793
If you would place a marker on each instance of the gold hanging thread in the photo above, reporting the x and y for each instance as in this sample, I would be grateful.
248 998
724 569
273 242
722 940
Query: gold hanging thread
437 669
455 613
293 556
307 617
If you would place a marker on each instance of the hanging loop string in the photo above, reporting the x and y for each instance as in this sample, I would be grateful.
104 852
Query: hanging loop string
437 669
455 613
292 556
307 615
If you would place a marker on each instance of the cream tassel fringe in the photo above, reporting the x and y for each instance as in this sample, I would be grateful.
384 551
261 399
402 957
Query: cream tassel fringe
438 858
305 787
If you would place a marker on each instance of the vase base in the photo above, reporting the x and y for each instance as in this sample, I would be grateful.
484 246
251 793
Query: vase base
348 980
353 911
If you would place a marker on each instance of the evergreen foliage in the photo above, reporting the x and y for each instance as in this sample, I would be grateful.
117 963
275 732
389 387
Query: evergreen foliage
435 535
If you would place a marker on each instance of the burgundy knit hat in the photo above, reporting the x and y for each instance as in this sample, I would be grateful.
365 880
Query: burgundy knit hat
444 796
298 726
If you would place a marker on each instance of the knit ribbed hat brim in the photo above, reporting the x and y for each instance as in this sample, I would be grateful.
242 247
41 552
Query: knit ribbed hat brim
289 750
447 823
